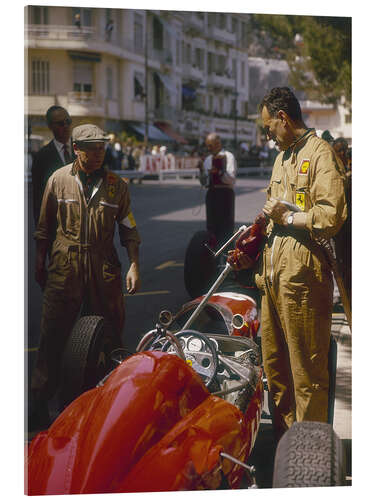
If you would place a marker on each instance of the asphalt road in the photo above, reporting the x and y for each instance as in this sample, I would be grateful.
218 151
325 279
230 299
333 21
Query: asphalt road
167 215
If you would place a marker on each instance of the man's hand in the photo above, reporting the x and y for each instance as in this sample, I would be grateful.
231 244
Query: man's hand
133 281
242 261
277 211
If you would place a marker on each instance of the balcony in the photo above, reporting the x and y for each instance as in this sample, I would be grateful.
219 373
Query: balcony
192 72
221 35
85 103
163 56
193 23
53 32
220 80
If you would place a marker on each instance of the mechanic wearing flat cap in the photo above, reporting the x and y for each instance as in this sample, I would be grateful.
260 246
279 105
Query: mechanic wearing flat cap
84 271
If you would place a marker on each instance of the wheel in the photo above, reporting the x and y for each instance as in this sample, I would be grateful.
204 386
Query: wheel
309 454
199 351
86 358
200 266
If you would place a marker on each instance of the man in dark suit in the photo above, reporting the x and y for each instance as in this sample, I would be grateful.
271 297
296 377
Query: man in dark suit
54 155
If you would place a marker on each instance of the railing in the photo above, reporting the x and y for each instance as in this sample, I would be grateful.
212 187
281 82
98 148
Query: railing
53 32
84 98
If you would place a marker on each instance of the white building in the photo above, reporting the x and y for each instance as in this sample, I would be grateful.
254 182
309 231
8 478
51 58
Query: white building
196 80
268 73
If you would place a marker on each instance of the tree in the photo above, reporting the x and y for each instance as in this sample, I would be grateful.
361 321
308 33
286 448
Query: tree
317 49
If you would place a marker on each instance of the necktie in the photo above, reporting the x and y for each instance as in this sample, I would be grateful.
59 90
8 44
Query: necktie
66 153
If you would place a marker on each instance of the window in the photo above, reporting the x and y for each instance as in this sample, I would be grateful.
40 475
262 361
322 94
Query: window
138 32
210 103
39 15
222 21
211 62
234 25
139 85
109 74
221 105
83 77
220 68
86 15
234 69
188 53
245 109
39 77
157 34
199 58
178 49
348 118
242 74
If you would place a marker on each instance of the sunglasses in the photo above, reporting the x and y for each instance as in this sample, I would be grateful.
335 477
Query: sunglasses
62 123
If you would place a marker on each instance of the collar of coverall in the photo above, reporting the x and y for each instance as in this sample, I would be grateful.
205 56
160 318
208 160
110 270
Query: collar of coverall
309 131
96 174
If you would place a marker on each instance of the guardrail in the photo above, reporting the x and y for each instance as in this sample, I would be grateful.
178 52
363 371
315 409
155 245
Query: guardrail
193 173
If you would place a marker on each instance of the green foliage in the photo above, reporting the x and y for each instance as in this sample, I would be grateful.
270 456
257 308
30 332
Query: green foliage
321 65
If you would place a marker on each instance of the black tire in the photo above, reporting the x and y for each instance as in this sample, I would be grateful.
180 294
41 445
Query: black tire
309 454
86 358
200 266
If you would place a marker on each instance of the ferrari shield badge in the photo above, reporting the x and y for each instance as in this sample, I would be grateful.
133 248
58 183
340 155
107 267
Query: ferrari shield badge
111 179
300 200
304 168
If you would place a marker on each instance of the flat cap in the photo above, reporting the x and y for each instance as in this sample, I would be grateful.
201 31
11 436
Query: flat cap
88 133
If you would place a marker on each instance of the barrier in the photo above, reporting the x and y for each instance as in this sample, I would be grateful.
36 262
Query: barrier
170 166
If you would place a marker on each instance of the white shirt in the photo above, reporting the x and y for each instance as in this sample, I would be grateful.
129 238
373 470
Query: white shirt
229 176
60 149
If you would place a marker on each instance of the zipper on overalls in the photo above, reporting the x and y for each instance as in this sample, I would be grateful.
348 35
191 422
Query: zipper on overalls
275 238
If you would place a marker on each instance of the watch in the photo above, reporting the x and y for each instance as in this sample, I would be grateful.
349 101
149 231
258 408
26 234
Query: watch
290 219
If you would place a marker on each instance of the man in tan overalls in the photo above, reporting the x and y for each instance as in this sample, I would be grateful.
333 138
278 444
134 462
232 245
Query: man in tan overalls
86 200
293 276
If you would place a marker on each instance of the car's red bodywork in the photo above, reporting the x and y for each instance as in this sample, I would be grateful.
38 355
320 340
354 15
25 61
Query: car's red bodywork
152 426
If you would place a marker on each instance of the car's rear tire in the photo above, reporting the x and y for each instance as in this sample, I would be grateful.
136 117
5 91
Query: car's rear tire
86 358
200 266
309 454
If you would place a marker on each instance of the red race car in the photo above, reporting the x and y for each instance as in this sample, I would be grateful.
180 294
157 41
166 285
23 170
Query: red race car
182 413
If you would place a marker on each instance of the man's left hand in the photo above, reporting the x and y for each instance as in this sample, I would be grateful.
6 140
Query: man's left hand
276 210
133 281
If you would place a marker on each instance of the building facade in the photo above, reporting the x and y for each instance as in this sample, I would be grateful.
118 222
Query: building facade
162 75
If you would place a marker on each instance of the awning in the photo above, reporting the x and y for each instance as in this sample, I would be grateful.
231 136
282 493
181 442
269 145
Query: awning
84 56
167 82
188 92
167 129
154 134
139 84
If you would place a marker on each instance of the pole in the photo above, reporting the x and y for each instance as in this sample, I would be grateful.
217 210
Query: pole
146 83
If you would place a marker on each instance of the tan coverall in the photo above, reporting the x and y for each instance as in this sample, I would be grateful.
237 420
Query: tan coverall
84 269
296 283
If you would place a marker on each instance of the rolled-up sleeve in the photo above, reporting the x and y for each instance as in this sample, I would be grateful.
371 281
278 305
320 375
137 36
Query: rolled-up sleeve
327 194
126 221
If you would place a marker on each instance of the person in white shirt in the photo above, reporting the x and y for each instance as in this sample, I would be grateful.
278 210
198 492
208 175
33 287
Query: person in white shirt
218 175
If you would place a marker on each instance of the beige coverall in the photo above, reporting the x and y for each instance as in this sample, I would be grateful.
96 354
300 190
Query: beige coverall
296 283
84 269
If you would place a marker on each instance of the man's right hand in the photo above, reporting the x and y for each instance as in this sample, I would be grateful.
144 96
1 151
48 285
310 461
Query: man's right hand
241 260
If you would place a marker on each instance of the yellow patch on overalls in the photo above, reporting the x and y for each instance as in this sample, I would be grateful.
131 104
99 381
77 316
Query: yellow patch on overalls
300 200
111 191
304 168
131 219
